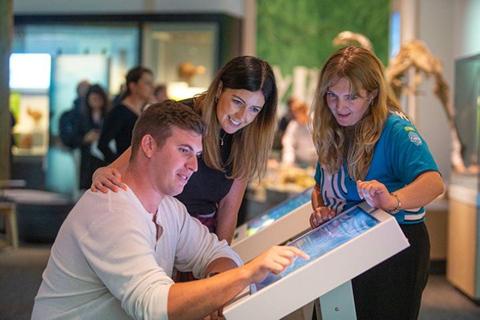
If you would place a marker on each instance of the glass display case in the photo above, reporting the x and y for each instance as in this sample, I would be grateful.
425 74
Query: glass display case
181 55
463 243
467 103
29 81
101 48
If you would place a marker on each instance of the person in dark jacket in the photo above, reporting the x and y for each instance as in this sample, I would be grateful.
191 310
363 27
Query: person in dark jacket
120 121
87 133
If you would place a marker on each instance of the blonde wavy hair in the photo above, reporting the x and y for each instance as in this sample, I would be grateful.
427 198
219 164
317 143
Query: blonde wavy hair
355 144
250 145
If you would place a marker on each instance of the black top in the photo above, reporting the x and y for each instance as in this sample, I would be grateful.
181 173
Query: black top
207 186
119 127
282 127
88 161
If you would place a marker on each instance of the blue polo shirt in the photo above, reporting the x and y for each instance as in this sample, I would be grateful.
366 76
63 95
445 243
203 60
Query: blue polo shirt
399 157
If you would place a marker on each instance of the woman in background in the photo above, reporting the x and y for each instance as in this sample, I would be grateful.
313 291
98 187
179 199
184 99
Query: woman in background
369 150
87 132
239 109
121 120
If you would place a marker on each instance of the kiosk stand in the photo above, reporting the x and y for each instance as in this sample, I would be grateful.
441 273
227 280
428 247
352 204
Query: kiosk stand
337 304
283 222
339 250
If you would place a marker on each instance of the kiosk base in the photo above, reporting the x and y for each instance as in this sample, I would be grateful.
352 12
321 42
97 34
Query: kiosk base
337 304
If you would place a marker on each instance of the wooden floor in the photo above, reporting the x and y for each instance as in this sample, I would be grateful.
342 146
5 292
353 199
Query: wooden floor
21 273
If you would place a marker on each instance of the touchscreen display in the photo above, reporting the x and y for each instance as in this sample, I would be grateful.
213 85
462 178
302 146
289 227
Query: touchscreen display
278 211
327 237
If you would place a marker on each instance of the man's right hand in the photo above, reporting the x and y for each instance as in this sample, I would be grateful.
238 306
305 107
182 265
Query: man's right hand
275 259
106 178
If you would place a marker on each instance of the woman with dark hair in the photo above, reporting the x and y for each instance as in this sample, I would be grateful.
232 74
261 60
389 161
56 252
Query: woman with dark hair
369 150
87 132
121 120
239 109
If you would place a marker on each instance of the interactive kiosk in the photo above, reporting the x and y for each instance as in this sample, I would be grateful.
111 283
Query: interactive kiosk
278 225
339 250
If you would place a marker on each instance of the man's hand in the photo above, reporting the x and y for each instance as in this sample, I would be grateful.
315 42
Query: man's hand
106 177
275 259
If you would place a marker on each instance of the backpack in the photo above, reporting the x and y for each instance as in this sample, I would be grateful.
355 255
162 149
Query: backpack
67 128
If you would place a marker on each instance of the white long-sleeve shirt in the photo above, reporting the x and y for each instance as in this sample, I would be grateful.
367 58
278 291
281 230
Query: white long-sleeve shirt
107 264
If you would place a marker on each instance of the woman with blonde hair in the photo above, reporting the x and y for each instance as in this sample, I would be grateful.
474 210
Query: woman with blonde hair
369 150
239 109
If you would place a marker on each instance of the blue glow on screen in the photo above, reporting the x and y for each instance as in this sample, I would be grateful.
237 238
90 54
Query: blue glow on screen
325 238
30 71
279 211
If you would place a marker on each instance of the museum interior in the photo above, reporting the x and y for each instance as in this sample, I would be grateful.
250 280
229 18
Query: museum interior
431 53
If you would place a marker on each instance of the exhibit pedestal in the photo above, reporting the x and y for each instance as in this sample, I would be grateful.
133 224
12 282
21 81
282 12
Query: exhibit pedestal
463 254
338 304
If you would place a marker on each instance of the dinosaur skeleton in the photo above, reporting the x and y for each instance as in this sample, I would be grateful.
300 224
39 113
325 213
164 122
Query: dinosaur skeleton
415 54
351 38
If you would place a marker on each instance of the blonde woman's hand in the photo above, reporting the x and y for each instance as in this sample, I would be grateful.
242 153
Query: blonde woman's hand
106 178
376 195
320 216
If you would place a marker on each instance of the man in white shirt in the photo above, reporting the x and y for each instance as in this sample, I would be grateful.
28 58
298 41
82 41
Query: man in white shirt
115 253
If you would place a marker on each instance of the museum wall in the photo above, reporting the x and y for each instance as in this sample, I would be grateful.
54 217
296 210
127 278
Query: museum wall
232 7
292 33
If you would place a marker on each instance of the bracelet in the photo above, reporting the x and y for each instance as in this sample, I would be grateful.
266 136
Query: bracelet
399 205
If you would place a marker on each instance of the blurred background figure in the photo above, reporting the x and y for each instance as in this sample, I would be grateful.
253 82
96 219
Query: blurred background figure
82 89
68 118
282 124
87 133
297 142
121 120
12 139
116 100
160 93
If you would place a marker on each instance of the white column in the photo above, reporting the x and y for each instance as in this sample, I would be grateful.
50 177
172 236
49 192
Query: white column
249 34
409 31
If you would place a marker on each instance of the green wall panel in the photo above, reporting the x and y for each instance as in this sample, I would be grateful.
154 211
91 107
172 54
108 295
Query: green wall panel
300 32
